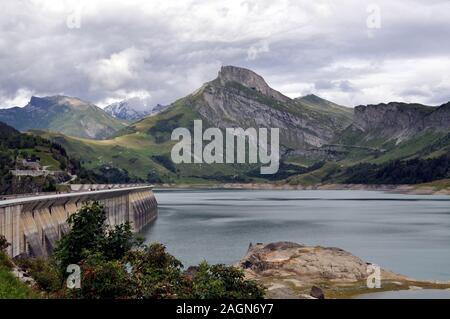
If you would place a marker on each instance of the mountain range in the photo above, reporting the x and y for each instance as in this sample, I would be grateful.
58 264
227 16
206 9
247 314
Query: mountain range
63 114
321 142
132 109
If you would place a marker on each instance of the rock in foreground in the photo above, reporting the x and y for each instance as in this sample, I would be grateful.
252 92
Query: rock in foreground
291 270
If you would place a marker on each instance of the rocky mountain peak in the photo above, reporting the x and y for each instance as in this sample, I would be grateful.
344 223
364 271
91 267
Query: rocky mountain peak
243 76
400 121
56 100
38 101
395 115
250 80
132 109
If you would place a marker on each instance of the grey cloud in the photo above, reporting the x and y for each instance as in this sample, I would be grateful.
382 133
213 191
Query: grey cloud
172 50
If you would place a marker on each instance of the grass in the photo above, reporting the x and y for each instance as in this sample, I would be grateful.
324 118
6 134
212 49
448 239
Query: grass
409 148
72 121
315 177
442 184
72 117
10 286
351 290
140 148
137 147
46 158
345 290
315 103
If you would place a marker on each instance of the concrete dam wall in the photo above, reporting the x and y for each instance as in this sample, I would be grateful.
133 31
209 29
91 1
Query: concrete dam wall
33 225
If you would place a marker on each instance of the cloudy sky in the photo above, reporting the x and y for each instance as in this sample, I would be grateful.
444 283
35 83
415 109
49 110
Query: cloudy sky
350 51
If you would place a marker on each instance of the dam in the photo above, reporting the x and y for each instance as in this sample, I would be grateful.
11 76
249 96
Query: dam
33 224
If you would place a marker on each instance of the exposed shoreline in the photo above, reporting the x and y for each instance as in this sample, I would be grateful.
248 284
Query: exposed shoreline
290 270
418 189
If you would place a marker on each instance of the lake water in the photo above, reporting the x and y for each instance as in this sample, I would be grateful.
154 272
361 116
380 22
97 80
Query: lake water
408 234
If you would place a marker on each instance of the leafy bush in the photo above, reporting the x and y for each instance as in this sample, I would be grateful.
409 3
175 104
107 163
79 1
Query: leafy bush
87 233
90 233
105 279
44 272
13 288
10 286
166 161
162 129
3 243
153 177
5 262
115 264
118 241
223 282
157 274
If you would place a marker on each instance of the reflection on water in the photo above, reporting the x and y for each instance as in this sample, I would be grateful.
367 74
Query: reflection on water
408 234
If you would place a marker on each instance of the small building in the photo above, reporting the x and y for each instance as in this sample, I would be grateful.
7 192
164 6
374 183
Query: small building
32 163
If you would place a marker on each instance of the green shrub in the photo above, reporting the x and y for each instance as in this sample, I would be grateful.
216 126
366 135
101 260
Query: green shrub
12 288
3 243
105 279
111 268
157 273
223 282
44 272
5 262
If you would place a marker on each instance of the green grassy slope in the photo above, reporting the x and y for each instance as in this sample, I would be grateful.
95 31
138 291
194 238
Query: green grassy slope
144 148
317 103
62 114
132 149
425 145
68 122
15 146
10 286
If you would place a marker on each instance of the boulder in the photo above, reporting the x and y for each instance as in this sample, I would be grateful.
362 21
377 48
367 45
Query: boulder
317 293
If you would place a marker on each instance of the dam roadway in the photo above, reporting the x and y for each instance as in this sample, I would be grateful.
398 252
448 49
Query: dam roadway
33 225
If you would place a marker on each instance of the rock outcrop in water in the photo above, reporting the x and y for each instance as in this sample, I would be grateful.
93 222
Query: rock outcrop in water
291 270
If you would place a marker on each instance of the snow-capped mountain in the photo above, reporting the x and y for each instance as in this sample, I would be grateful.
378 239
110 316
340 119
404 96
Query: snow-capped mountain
132 109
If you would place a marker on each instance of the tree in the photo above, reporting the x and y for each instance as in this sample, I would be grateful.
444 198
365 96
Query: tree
105 279
118 241
114 264
157 273
223 282
89 232
3 243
